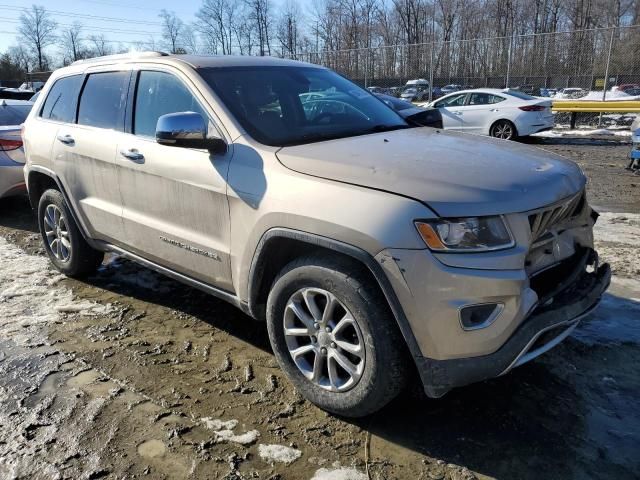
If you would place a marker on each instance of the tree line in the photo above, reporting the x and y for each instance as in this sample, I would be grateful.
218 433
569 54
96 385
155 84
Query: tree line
257 27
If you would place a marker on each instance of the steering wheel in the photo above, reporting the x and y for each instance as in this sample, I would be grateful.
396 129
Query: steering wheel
321 117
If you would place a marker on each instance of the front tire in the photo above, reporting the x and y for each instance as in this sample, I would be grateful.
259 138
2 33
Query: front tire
67 249
334 336
504 129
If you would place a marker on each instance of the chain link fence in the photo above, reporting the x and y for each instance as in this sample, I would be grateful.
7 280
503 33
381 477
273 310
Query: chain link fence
583 61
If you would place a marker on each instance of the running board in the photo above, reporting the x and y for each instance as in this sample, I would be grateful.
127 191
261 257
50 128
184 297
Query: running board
192 282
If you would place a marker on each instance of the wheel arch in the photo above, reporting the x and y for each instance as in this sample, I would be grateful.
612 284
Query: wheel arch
279 246
40 179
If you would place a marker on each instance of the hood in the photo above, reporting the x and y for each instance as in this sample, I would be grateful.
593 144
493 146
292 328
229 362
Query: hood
455 174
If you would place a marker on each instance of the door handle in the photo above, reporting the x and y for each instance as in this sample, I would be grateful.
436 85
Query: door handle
494 110
457 113
66 139
132 154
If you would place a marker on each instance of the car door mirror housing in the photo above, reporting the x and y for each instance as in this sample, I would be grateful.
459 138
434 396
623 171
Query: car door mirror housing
187 130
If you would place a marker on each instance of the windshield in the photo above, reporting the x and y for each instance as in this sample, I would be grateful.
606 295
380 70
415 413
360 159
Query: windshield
282 106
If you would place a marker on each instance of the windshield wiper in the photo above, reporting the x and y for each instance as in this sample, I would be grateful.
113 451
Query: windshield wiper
385 128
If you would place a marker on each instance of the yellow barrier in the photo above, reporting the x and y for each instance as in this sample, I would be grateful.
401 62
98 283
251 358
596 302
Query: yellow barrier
580 106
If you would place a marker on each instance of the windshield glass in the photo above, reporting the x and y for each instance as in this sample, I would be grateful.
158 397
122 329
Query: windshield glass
281 106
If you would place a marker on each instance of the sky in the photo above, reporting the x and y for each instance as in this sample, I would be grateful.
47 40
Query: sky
128 21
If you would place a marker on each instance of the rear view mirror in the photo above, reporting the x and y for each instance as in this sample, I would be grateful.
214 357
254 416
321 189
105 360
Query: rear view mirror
187 130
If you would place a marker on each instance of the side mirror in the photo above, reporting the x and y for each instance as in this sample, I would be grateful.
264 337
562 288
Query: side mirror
187 130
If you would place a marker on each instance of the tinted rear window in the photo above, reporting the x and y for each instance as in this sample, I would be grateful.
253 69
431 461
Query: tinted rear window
13 114
103 99
520 95
60 104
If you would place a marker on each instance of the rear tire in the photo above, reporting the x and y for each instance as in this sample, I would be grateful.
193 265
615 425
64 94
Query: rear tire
66 247
504 129
345 317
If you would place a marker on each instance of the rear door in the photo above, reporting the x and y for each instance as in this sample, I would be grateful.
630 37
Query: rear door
450 108
480 111
84 153
175 203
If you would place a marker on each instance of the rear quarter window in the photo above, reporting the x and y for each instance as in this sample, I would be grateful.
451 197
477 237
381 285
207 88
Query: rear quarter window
103 99
62 100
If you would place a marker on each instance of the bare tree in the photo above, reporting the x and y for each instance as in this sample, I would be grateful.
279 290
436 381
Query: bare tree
71 44
260 16
172 30
37 29
289 28
100 45
20 56
217 20
190 39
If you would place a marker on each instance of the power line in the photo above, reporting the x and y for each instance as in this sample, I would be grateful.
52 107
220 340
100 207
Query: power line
122 5
84 15
89 40
89 27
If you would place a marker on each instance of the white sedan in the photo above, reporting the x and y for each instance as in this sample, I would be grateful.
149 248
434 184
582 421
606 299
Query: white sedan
503 114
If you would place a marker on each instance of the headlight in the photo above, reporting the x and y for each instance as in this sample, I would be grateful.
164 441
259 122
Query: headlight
471 234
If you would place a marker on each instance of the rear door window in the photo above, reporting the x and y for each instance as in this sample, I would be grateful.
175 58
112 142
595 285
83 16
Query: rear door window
158 94
62 100
103 100
478 98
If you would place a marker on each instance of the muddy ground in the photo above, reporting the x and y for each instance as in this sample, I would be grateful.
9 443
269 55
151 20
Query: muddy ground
131 375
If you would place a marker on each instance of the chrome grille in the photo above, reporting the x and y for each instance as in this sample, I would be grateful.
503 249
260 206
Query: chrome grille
544 220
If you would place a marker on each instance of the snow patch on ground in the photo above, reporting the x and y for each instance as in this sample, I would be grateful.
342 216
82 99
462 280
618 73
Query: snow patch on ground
342 473
29 294
583 132
217 424
224 431
617 237
278 453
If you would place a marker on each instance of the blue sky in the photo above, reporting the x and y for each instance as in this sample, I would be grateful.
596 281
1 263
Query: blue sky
65 12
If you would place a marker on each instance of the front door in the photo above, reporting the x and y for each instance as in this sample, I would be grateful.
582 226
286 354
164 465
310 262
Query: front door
450 108
175 209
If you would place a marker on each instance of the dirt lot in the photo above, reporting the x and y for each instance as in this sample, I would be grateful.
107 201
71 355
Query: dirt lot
131 375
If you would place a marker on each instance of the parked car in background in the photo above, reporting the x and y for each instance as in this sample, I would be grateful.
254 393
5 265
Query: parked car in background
425 117
528 89
12 114
505 114
416 90
628 86
450 89
365 243
548 92
571 92
377 89
634 156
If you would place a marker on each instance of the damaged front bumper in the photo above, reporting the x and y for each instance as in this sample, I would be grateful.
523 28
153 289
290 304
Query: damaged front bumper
558 312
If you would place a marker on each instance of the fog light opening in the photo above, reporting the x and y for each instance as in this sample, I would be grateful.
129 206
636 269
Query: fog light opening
474 317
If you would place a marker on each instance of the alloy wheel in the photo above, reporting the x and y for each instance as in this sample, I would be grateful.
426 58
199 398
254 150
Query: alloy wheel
57 233
503 131
324 339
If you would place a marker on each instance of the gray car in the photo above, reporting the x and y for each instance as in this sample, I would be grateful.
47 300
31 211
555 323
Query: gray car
371 248
12 114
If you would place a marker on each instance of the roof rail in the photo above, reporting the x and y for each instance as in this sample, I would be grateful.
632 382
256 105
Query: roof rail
149 54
